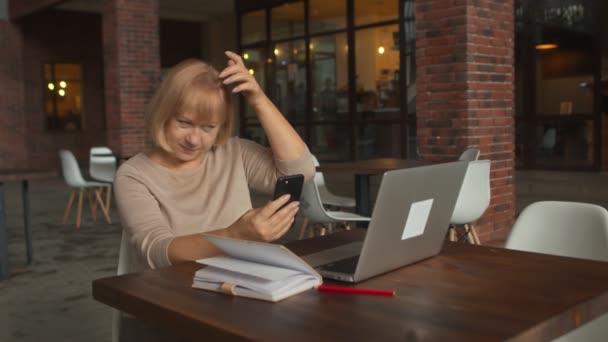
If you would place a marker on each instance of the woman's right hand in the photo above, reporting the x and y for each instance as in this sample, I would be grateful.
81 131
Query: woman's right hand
267 223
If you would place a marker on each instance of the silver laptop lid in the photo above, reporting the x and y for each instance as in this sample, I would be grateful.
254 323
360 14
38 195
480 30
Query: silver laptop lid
411 217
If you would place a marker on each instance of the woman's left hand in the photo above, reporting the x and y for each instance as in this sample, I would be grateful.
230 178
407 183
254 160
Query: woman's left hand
236 73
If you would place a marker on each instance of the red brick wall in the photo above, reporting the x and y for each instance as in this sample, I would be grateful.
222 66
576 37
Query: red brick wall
12 123
465 93
68 37
132 70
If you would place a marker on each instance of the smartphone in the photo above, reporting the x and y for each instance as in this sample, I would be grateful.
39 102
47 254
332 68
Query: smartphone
292 185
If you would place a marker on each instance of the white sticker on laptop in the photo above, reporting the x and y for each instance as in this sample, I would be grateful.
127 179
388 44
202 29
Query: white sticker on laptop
417 218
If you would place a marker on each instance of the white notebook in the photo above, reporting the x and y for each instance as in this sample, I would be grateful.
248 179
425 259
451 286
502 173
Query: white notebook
257 270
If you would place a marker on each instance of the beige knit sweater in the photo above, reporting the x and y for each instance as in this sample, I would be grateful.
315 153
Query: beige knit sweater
157 204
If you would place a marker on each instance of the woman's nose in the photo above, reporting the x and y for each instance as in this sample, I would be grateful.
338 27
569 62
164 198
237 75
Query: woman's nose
192 138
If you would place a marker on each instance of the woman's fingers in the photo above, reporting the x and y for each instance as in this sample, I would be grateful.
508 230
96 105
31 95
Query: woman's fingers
283 229
284 223
239 77
231 70
272 206
234 57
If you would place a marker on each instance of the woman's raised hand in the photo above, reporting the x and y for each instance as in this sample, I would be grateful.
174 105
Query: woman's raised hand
267 223
237 73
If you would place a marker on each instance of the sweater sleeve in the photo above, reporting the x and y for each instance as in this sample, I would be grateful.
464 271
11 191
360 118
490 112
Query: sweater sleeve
141 216
262 169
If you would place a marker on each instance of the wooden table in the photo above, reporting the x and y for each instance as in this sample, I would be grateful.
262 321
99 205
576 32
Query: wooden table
24 175
465 293
363 169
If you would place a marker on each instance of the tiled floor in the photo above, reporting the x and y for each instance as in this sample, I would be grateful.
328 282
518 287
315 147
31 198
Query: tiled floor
51 299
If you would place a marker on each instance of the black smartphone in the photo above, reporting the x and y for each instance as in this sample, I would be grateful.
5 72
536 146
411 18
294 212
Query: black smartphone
292 185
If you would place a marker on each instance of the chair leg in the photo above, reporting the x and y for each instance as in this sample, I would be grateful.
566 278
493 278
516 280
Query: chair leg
68 207
103 207
108 196
468 235
303 228
475 236
92 206
79 211
453 236
330 228
311 230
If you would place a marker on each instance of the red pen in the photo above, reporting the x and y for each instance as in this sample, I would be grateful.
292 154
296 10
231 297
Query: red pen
354 290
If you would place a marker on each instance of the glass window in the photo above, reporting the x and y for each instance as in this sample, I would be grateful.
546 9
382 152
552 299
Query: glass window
253 27
377 67
256 133
329 63
564 59
287 21
368 12
409 28
378 141
62 97
565 142
290 79
256 61
331 142
326 15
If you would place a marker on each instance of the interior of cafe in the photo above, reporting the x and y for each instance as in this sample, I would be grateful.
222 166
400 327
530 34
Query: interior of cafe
345 73
347 103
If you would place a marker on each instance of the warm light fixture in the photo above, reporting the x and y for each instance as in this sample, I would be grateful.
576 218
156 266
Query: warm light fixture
381 49
251 71
269 60
245 55
62 84
61 92
311 46
295 51
51 86
547 46
276 52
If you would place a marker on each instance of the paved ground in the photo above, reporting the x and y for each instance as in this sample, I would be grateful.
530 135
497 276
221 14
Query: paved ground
51 299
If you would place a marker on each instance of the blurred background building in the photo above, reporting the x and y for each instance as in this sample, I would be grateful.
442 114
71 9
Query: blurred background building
524 81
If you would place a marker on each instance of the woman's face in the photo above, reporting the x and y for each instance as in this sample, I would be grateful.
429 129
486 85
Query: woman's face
190 137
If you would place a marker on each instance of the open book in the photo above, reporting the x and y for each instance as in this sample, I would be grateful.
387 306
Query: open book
255 269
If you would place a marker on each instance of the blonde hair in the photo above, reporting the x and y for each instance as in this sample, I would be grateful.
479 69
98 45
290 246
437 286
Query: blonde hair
191 86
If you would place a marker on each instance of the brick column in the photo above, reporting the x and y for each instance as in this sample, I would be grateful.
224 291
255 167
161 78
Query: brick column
465 94
12 114
131 70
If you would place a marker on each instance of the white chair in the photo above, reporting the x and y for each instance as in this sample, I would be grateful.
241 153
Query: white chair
469 155
473 200
74 179
327 197
102 164
102 167
549 139
570 229
314 212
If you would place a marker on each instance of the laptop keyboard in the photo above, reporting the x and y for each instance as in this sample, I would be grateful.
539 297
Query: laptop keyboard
348 265
333 254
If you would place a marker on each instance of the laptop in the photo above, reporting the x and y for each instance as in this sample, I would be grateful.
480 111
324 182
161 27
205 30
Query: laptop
409 222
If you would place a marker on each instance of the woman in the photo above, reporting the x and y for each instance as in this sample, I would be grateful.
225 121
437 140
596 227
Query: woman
197 177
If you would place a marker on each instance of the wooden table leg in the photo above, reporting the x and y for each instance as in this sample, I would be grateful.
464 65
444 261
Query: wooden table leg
3 238
25 196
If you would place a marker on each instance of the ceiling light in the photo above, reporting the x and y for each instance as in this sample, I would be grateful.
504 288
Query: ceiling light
547 46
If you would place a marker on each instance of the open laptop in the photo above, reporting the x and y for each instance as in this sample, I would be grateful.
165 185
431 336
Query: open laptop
409 223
